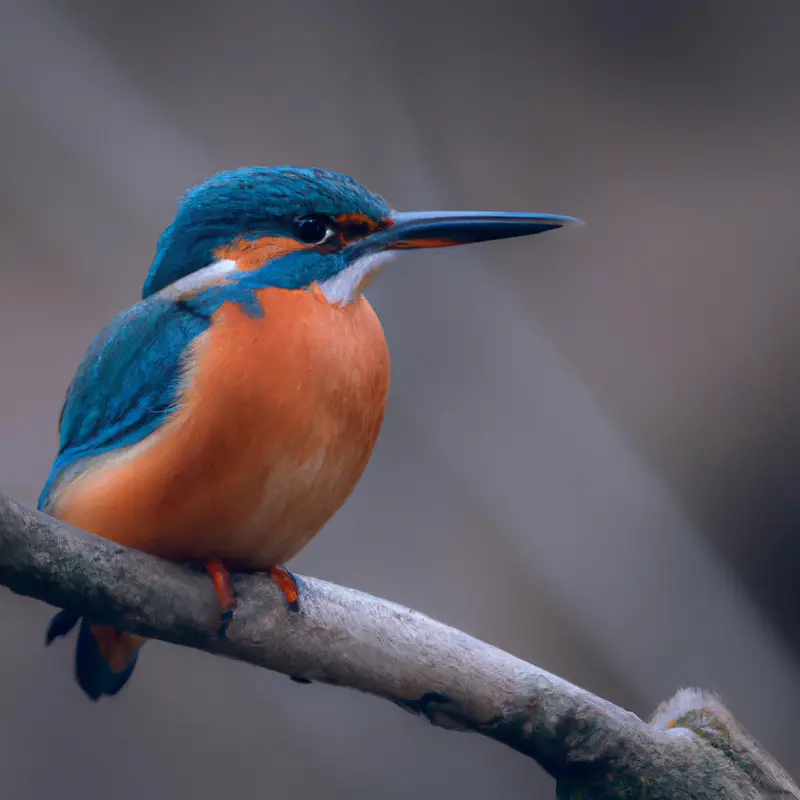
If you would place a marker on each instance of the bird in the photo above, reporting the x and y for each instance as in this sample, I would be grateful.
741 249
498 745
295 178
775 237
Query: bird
227 415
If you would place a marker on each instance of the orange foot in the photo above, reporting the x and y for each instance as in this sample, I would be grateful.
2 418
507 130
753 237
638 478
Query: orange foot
223 586
288 585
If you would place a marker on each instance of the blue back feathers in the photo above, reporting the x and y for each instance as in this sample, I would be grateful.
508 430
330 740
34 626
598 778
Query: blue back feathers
130 378
127 383
252 203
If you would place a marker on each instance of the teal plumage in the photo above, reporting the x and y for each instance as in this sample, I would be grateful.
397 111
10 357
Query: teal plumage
230 412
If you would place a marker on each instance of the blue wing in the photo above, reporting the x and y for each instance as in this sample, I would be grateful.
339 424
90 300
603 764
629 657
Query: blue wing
128 381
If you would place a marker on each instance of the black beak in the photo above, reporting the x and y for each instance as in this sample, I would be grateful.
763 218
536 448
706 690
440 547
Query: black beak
405 231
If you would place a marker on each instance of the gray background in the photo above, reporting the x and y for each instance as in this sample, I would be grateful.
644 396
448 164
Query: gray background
590 456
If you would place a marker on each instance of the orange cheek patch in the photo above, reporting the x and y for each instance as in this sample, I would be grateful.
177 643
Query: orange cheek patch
358 219
252 254
357 226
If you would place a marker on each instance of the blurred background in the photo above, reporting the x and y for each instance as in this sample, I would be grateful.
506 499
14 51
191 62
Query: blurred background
590 457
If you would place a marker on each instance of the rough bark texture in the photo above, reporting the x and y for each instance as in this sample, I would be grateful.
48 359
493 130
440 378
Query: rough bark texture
593 748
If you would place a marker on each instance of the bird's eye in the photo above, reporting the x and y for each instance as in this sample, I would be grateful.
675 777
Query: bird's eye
313 229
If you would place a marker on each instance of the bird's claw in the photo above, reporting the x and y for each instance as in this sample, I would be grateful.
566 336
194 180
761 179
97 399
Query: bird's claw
288 585
224 621
223 586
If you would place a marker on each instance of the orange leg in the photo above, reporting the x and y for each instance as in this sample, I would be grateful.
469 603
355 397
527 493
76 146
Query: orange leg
223 586
287 584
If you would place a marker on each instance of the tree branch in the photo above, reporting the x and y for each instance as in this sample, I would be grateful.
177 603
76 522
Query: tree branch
340 636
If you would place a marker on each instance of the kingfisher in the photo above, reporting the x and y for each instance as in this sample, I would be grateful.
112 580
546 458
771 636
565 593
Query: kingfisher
225 417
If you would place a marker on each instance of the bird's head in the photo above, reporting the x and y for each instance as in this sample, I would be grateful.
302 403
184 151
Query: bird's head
311 227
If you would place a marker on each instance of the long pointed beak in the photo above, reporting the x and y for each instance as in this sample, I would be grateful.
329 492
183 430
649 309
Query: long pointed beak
449 228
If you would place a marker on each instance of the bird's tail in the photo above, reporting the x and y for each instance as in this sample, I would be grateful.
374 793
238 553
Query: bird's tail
104 656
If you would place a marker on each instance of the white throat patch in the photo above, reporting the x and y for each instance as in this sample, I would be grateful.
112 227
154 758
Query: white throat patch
341 289
345 286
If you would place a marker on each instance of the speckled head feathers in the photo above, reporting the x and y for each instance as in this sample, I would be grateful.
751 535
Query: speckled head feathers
250 203
291 228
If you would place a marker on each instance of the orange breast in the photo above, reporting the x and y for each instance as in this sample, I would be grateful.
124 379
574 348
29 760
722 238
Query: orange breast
279 418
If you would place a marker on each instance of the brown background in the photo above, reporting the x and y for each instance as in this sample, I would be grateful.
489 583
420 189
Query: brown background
591 451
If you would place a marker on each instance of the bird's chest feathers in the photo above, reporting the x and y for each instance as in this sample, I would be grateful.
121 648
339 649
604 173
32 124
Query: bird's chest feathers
295 397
